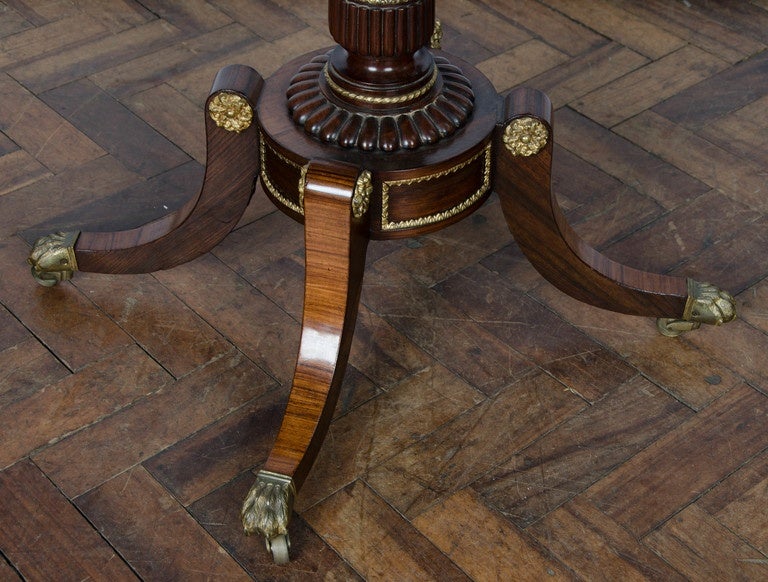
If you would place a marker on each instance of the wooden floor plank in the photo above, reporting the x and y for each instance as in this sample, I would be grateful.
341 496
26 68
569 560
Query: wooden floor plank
463 527
616 102
376 431
696 545
559 466
95 454
614 22
650 488
597 548
153 532
145 152
466 449
44 535
377 542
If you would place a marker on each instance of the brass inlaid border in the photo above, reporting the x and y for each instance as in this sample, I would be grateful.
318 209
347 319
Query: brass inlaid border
380 100
386 225
268 182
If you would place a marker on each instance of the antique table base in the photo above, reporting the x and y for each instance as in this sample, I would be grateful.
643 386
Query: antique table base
383 136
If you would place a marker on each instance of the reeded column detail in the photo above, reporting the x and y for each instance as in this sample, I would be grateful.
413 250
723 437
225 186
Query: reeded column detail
381 88
365 28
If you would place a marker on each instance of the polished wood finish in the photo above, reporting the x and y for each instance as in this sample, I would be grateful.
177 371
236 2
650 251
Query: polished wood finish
204 221
335 243
550 243
488 425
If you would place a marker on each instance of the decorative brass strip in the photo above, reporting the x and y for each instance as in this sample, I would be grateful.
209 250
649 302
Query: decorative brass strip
445 214
272 188
380 100
436 41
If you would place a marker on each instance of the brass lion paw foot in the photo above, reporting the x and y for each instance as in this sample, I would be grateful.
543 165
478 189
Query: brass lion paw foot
706 304
53 258
267 510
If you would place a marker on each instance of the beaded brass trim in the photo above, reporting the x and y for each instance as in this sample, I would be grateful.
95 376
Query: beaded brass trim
231 111
436 41
272 188
380 100
445 214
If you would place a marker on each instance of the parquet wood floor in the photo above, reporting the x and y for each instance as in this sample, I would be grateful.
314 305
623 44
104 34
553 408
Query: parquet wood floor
490 428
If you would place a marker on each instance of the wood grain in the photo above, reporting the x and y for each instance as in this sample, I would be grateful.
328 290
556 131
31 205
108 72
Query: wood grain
465 360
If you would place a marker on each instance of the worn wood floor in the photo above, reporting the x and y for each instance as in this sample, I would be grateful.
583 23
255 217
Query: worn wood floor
490 427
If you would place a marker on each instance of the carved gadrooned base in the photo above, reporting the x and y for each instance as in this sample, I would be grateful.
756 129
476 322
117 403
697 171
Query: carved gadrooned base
414 191
312 106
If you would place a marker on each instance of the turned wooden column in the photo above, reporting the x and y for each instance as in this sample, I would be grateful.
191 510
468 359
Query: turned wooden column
381 88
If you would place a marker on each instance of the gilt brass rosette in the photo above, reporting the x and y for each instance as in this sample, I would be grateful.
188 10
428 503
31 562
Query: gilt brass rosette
525 136
231 111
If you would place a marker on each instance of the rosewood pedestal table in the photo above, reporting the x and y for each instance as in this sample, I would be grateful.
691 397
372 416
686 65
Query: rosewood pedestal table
382 136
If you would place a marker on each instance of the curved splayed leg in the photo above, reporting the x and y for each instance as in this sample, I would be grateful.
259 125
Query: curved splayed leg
523 182
195 228
336 237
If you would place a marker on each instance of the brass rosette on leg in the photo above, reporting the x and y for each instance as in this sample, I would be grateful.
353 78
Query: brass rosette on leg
525 136
231 111
706 304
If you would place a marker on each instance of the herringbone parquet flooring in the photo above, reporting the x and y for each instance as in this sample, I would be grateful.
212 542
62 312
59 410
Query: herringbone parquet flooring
490 428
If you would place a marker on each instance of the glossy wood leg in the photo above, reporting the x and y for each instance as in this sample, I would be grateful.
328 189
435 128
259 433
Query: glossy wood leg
523 183
336 237
195 228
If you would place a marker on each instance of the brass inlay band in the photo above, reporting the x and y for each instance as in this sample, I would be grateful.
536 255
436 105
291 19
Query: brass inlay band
525 136
271 187
231 111
445 214
380 100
